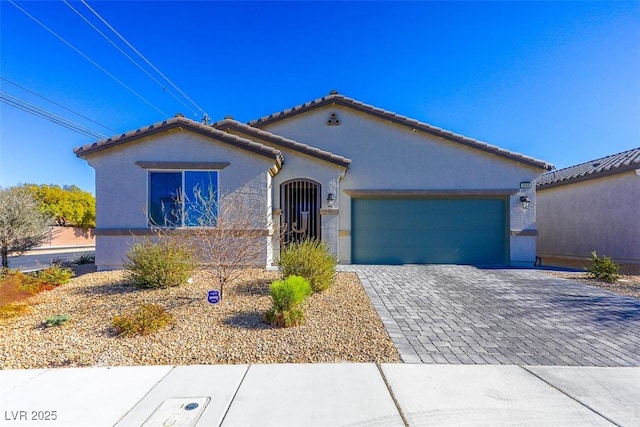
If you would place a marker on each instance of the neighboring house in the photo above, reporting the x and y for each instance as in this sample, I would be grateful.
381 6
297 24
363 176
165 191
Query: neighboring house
593 206
378 187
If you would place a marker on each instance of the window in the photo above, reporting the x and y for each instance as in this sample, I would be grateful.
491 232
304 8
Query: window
183 199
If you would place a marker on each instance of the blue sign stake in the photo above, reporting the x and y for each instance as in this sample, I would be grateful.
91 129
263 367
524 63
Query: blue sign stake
213 297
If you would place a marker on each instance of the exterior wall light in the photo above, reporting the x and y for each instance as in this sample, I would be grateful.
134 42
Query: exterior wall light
526 202
330 200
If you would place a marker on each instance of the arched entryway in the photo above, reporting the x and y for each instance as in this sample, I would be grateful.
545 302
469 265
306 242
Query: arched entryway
300 203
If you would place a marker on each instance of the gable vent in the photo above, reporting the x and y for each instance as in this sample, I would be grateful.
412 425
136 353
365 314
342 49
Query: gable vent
333 120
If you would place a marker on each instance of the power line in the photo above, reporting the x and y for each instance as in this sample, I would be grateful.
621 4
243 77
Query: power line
127 56
41 112
88 59
59 105
143 57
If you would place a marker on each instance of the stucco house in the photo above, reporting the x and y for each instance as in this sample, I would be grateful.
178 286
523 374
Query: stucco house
593 206
378 187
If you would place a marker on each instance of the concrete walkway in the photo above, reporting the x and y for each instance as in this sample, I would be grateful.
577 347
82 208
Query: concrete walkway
321 395
466 315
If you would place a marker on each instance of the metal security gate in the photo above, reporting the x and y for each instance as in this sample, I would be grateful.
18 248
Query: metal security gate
300 201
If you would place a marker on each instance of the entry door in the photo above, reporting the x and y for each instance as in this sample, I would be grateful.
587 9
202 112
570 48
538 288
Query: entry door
300 201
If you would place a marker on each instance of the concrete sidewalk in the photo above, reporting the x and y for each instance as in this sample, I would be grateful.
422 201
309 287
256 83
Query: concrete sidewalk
321 395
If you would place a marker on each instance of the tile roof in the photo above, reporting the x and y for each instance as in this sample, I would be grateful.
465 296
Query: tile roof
282 142
181 123
335 98
609 165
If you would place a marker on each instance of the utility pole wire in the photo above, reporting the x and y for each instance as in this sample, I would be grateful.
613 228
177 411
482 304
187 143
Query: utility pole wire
127 56
143 57
59 105
88 59
41 112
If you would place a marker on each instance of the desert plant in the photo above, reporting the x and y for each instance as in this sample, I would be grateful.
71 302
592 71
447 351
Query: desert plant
55 275
13 309
57 320
310 259
160 264
603 268
229 232
88 258
13 293
145 320
28 282
22 225
287 297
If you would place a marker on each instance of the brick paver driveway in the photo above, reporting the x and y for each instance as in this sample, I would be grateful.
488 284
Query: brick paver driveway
463 314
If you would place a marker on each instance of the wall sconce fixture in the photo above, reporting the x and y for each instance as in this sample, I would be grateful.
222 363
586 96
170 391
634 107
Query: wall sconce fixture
526 202
330 200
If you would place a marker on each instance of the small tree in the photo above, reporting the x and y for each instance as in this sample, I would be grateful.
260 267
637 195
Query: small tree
22 225
229 235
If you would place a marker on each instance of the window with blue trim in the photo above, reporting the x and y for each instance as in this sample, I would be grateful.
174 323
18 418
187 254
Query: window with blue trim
183 199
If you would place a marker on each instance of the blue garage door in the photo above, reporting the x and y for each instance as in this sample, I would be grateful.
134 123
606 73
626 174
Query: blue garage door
429 231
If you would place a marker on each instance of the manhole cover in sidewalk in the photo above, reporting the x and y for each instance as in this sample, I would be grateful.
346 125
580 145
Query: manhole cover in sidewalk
178 412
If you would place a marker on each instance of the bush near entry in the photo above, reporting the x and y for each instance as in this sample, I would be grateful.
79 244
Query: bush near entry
310 259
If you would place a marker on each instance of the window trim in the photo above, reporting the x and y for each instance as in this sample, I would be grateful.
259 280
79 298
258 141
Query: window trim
182 166
182 185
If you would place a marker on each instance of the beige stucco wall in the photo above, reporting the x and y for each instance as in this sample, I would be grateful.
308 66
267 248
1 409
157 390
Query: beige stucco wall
121 185
600 215
388 156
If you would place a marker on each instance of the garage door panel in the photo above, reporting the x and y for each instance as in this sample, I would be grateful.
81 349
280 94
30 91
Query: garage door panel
433 230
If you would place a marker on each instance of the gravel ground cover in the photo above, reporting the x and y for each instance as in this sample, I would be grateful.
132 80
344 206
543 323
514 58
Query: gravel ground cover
341 326
628 285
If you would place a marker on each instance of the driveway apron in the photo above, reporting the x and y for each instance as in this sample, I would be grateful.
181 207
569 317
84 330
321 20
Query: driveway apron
468 315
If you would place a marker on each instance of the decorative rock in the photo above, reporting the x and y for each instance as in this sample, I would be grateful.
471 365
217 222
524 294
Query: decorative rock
341 326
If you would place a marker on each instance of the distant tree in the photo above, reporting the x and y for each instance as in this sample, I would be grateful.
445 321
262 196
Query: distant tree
22 224
69 205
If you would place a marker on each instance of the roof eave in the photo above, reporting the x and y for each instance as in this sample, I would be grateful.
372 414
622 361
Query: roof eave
589 177
282 142
403 121
182 124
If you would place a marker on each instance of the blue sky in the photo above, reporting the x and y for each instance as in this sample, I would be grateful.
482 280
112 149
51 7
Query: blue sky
559 81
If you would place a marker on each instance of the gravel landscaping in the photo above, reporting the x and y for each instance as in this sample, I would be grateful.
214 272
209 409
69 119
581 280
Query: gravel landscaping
341 326
628 285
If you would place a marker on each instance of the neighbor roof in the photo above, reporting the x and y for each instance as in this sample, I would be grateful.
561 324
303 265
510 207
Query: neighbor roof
336 99
282 142
181 123
610 165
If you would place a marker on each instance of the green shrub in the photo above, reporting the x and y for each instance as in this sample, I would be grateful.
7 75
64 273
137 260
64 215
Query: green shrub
57 320
147 319
310 259
159 264
603 268
55 275
287 296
